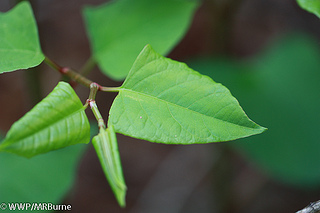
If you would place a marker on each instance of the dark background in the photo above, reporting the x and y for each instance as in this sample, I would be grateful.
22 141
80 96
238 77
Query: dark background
165 178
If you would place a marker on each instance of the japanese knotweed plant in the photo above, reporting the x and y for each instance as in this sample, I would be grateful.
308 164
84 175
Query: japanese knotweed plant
161 100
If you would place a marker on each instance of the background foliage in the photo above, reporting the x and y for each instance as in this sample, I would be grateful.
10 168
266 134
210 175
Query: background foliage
279 89
281 81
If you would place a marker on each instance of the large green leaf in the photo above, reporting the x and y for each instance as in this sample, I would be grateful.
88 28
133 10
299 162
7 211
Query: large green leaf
281 89
19 41
164 101
118 30
57 121
106 146
44 178
312 6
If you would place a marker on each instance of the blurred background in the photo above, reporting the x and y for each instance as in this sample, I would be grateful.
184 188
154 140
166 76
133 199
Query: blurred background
267 52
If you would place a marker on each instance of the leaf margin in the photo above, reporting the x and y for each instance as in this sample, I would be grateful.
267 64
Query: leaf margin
19 144
25 6
144 58
105 145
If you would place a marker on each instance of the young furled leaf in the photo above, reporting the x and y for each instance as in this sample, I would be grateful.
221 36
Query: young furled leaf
165 101
57 121
105 144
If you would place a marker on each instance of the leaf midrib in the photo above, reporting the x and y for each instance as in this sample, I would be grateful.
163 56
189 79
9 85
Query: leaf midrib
184 108
7 141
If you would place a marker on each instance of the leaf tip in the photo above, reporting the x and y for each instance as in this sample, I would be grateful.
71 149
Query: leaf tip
121 197
262 129
258 130
147 47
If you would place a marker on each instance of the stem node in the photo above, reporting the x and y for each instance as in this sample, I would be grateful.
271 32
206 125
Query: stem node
64 70
78 78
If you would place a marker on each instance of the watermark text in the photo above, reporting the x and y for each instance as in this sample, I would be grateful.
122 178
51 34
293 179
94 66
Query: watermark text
35 207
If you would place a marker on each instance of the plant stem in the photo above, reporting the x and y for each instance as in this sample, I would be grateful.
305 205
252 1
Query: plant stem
87 67
69 72
77 77
94 87
97 114
52 64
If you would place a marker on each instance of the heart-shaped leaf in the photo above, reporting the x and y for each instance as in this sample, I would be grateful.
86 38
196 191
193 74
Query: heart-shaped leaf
106 146
167 102
19 40
118 30
57 121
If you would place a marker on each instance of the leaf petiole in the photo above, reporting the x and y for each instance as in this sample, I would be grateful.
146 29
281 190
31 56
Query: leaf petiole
94 87
97 114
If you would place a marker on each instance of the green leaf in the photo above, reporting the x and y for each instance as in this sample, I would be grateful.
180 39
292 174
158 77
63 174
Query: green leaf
19 41
44 178
281 88
118 30
165 101
312 6
57 121
105 144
